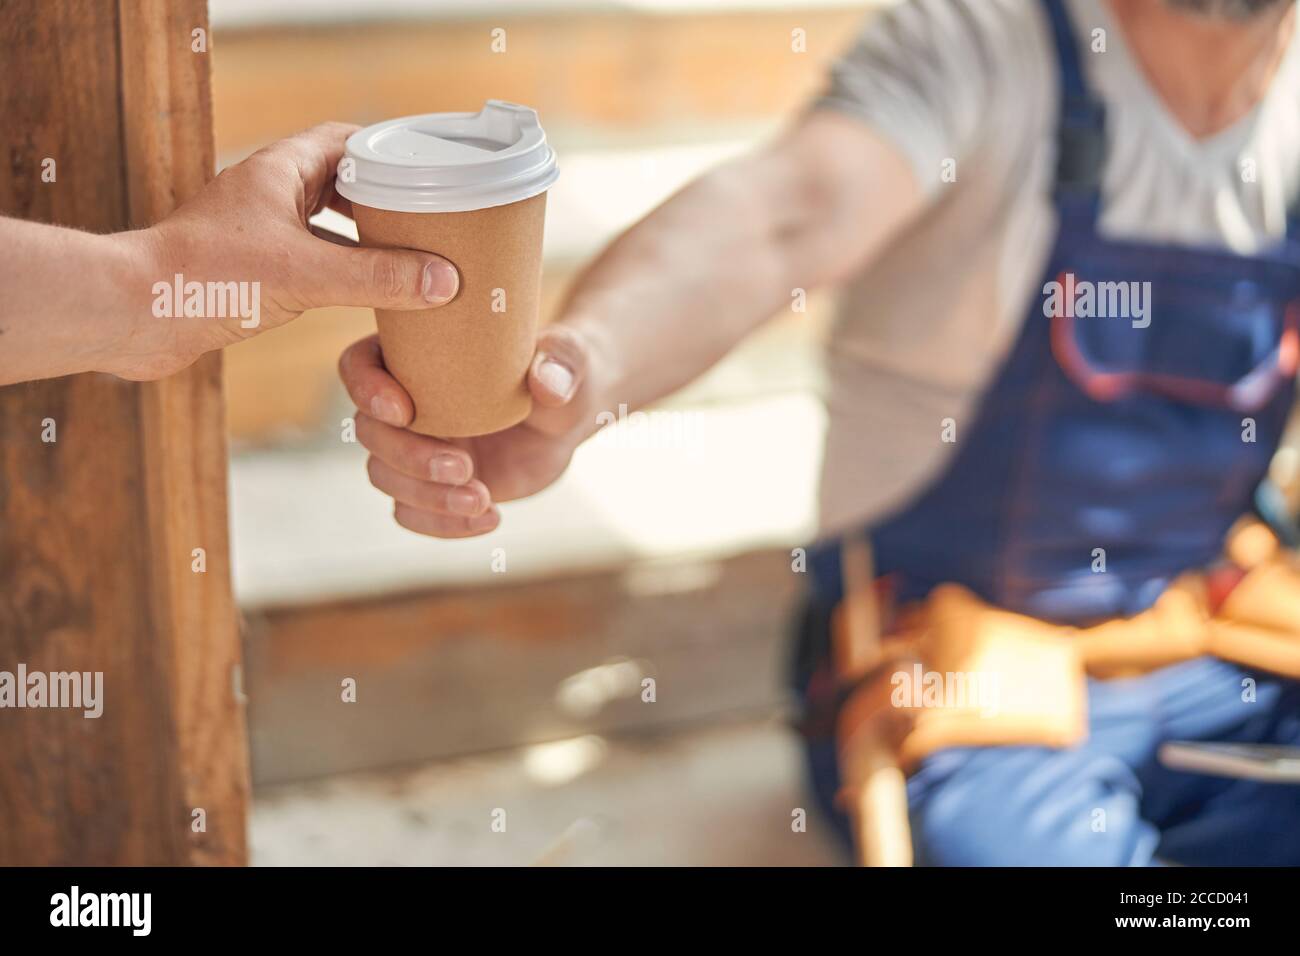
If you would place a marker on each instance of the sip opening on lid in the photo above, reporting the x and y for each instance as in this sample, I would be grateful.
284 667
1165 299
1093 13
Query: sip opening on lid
449 162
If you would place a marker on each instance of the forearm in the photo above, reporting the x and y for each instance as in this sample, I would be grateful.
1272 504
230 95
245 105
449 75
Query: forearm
677 291
71 299
682 287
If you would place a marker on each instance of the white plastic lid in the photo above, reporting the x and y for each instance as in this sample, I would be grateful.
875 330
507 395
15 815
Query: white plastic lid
449 162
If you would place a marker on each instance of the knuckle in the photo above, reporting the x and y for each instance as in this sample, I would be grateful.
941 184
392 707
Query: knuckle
387 277
412 519
402 516
568 344
268 161
262 157
334 128
415 458
365 432
432 498
354 362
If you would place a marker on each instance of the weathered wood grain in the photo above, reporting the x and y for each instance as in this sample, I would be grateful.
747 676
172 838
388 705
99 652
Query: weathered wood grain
467 669
97 529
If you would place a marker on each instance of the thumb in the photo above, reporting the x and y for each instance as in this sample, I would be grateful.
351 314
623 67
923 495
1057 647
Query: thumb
397 279
560 370
559 365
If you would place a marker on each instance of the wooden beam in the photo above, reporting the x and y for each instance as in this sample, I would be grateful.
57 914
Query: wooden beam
98 528
459 670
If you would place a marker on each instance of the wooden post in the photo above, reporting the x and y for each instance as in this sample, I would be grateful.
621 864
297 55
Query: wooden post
99 529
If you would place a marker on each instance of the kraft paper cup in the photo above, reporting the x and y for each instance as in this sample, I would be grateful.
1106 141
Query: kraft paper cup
470 187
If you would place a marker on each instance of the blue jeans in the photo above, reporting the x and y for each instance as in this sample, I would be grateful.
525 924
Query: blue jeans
1108 801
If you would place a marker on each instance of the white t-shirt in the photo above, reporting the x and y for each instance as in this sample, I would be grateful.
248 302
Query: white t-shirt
923 328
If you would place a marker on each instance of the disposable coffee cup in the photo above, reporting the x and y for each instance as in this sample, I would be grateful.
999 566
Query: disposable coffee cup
470 187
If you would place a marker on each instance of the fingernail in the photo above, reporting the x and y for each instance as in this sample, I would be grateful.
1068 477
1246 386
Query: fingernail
449 470
387 410
440 281
483 522
556 377
464 501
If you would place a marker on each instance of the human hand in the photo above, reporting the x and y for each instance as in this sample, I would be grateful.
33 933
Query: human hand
249 227
449 488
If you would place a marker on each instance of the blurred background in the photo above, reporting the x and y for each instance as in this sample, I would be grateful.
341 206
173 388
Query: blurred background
507 672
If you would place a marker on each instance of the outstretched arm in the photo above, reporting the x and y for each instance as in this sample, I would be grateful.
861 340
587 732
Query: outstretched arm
663 303
676 292
73 301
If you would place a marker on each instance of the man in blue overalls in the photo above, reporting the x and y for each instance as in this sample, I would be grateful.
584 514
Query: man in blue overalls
1067 241
1144 435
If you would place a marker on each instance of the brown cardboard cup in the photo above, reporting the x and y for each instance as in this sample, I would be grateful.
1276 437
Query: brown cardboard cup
465 363
470 187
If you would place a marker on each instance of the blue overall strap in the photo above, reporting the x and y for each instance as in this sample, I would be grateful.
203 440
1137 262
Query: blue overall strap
1081 129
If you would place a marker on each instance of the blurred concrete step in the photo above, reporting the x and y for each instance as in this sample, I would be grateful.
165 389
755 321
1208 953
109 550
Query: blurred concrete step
717 796
307 525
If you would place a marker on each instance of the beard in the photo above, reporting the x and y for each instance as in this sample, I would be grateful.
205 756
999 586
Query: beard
1227 9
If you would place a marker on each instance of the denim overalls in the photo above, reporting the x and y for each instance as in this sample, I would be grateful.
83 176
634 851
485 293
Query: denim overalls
1145 437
